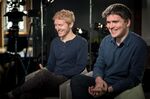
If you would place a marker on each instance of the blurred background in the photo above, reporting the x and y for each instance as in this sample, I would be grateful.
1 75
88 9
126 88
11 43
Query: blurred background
26 29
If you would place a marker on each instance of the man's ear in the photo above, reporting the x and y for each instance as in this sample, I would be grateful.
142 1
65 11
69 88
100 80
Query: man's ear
128 23
71 25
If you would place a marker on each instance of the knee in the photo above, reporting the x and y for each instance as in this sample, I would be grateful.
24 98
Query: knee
77 80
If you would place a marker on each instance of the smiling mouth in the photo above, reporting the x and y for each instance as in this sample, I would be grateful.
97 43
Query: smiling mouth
60 31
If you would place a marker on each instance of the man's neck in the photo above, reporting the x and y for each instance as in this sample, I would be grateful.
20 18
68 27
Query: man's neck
121 39
68 37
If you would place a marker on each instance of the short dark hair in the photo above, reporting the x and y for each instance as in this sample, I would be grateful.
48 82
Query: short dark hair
118 9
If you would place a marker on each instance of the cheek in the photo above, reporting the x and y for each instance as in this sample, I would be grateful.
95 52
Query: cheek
68 30
107 26
65 28
56 27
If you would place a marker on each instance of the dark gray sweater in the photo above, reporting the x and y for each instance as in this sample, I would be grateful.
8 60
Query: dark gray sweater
69 58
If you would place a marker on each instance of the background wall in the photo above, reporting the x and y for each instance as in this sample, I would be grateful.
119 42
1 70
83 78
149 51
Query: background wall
146 21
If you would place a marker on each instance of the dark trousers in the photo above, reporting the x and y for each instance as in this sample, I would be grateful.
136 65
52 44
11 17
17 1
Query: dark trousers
43 84
79 87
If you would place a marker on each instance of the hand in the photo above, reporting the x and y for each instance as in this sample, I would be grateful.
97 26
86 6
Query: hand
99 89
90 90
41 66
95 92
101 83
110 89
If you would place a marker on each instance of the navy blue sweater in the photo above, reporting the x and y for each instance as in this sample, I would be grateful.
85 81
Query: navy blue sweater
121 66
69 58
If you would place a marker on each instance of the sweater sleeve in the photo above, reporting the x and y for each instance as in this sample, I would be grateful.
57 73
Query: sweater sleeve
136 70
99 65
51 60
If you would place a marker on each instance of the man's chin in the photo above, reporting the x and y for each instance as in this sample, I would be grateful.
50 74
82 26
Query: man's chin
114 36
60 35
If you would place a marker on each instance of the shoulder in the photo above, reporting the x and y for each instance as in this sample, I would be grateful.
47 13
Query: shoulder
137 39
81 39
137 42
107 39
56 39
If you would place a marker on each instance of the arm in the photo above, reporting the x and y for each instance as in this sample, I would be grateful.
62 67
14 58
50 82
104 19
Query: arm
136 69
99 66
101 86
51 60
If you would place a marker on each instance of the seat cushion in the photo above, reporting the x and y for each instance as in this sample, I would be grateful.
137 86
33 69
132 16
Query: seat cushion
134 93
